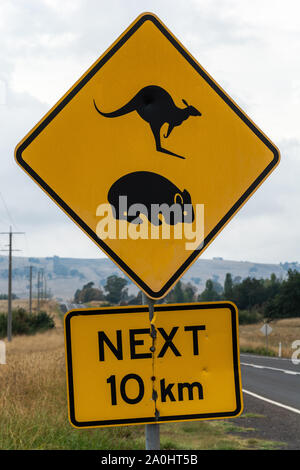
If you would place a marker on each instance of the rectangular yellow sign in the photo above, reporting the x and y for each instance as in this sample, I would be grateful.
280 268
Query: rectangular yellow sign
123 370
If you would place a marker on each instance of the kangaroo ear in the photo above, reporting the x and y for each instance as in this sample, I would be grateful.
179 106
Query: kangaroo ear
184 102
187 197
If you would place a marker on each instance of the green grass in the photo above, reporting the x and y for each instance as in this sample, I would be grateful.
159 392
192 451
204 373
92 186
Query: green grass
252 415
260 351
42 430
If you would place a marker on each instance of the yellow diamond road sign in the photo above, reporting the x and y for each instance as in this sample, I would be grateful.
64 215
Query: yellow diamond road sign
148 155
118 374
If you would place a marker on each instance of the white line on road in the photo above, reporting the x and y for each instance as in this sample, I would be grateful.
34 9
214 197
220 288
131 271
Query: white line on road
292 372
272 401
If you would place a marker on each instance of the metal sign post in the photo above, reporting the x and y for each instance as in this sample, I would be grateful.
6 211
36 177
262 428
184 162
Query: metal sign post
152 435
266 330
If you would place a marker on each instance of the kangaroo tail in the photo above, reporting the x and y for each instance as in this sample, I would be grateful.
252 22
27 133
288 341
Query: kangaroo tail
127 108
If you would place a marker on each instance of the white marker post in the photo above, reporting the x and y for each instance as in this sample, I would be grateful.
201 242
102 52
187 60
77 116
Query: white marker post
2 352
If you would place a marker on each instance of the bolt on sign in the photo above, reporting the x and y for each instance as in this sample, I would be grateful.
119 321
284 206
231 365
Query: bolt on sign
118 373
148 155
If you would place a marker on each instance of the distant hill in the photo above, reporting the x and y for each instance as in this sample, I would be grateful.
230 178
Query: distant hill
65 275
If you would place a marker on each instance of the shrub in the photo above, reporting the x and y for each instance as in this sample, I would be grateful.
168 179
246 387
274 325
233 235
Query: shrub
24 323
41 321
247 317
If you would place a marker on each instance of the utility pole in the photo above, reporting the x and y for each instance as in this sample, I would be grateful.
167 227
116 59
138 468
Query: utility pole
10 250
45 288
38 291
30 290
42 287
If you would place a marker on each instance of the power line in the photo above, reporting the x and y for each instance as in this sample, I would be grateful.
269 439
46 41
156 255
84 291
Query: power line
12 222
10 250
7 211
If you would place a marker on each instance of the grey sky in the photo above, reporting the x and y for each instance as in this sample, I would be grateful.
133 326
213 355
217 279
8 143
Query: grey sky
251 48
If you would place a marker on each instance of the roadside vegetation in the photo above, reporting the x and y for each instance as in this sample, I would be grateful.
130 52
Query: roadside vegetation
257 299
24 323
33 407
33 396
285 331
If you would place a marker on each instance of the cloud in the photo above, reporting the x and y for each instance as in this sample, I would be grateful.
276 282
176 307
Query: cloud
250 49
268 226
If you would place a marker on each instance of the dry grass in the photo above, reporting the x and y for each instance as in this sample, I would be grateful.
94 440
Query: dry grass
33 403
96 303
47 306
33 399
32 385
285 331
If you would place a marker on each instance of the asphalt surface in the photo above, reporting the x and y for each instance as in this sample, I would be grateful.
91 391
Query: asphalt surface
271 391
273 378
65 307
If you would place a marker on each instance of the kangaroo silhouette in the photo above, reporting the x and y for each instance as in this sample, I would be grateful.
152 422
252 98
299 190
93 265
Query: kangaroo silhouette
156 106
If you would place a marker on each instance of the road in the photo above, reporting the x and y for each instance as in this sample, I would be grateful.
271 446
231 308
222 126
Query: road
65 307
271 390
274 379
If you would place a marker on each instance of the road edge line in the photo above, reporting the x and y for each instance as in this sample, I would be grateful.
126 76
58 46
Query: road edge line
271 401
258 366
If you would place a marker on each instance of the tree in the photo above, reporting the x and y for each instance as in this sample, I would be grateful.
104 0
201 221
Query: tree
181 293
189 292
136 300
272 286
249 293
209 294
178 293
237 279
228 285
286 303
88 293
115 288
77 296
217 287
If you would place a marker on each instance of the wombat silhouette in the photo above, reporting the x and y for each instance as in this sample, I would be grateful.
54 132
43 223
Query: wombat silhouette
144 189
155 106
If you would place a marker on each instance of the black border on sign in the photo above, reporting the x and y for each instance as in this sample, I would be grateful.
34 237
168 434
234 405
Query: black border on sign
80 222
157 308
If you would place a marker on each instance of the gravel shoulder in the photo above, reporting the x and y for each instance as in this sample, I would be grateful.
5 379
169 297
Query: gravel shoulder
270 423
